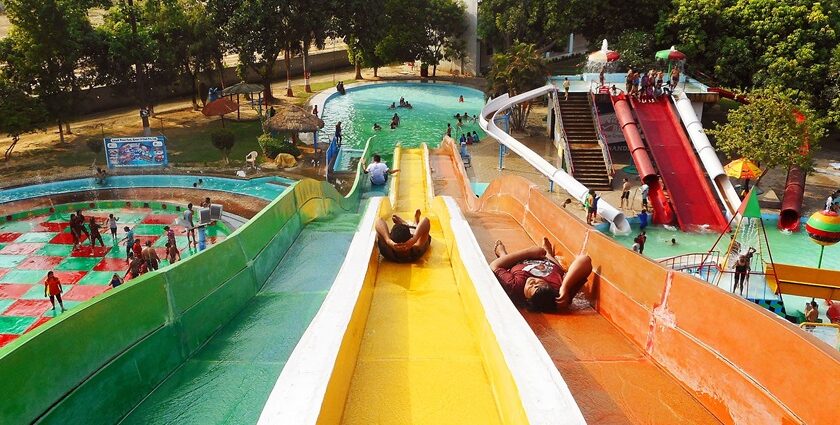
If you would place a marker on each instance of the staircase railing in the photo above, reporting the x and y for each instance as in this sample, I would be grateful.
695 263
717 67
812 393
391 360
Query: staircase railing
567 153
602 140
699 263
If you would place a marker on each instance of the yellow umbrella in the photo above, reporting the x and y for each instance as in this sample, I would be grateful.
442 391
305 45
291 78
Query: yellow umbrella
742 169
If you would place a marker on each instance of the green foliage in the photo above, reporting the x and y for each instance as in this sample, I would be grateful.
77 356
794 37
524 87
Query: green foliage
544 23
786 46
637 49
362 23
272 146
516 71
47 44
445 22
767 131
223 140
19 113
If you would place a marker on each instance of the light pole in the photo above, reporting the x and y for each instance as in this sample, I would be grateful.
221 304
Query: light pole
138 68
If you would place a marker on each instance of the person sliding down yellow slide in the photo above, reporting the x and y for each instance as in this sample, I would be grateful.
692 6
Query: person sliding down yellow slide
400 244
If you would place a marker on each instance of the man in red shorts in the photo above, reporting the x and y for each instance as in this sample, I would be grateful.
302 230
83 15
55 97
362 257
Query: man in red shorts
533 277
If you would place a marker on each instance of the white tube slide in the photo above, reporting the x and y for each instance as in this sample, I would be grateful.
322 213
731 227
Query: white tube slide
723 187
618 223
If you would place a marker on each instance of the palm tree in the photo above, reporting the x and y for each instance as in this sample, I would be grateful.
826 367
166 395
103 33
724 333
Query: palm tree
519 69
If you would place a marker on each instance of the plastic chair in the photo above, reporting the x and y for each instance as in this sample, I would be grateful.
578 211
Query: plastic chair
251 159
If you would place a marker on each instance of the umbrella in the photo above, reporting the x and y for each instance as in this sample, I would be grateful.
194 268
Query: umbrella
220 107
671 54
291 118
604 56
242 88
742 169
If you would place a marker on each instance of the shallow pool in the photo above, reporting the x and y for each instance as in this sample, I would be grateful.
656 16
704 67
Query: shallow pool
434 105
266 188
789 248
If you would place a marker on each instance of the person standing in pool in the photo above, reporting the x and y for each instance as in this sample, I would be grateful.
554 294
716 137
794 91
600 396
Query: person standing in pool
338 138
151 257
112 224
643 219
448 130
641 239
189 223
625 194
129 242
53 290
94 233
461 99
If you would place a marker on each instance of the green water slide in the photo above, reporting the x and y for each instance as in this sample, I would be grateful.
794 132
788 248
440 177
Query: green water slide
201 341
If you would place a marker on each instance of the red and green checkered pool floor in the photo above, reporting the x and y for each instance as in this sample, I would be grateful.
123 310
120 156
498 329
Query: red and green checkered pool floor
31 247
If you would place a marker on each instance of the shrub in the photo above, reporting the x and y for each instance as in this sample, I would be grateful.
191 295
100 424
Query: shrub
272 146
223 140
95 145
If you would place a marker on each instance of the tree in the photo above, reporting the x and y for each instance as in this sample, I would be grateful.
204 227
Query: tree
445 22
636 48
516 71
362 25
767 131
787 46
543 23
314 29
19 114
257 33
47 45
223 140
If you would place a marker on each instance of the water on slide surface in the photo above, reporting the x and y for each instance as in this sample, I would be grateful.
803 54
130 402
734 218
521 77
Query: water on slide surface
419 360
229 379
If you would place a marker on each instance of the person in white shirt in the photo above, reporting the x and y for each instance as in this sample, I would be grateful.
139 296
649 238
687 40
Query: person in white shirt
644 192
379 172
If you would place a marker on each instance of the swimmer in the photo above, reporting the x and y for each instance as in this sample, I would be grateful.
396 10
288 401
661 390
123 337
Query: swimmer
461 99
377 127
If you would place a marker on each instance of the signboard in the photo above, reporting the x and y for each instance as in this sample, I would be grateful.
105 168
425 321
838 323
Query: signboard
609 125
136 151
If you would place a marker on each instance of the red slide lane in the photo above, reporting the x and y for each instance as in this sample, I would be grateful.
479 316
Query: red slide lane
662 212
689 189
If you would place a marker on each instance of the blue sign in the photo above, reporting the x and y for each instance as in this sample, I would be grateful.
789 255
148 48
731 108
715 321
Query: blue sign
136 152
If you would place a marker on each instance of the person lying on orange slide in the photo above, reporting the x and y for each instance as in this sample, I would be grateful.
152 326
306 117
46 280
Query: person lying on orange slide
533 277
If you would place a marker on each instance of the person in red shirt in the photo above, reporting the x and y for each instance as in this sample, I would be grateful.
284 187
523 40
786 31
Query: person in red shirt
533 277
833 311
137 249
53 289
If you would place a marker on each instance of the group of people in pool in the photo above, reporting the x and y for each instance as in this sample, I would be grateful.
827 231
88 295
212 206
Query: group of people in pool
532 277
403 104
395 122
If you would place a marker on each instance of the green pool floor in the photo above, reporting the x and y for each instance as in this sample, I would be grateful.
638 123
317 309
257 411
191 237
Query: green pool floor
230 378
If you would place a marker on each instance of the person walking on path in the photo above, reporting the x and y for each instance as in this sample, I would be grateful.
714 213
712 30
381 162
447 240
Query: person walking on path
53 289
591 204
150 256
112 224
625 194
129 242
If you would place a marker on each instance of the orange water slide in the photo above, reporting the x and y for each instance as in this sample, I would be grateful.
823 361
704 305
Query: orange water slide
647 344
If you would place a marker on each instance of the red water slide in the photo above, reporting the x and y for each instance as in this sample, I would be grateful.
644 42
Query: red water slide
693 201
662 212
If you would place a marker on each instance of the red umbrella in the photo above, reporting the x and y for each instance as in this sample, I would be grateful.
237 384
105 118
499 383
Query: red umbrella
220 107
613 56
671 54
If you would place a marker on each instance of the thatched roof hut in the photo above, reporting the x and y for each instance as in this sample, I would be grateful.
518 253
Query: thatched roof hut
293 119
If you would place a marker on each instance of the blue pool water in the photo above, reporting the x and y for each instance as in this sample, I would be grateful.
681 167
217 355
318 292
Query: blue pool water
266 188
435 105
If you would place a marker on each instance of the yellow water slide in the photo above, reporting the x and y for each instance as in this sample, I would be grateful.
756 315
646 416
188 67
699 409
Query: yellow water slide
420 359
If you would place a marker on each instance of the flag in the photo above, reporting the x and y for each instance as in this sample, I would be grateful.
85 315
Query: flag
749 207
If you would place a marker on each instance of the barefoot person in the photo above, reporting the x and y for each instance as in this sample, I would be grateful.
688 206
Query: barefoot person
189 223
53 289
405 242
378 171
533 277
95 235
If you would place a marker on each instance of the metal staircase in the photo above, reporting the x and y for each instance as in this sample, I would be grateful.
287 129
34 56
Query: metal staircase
587 157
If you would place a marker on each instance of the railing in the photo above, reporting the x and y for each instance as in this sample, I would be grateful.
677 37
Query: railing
567 155
697 263
602 140
823 331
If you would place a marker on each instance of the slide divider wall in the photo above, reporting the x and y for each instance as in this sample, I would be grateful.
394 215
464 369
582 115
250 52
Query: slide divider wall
738 359
97 361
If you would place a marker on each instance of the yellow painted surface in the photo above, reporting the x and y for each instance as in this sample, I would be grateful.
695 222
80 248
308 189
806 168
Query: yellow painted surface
420 361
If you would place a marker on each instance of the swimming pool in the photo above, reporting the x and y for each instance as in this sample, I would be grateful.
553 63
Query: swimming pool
266 188
434 105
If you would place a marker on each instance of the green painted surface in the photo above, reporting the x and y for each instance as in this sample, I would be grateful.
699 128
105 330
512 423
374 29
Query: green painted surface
55 250
97 278
16 227
78 263
36 292
36 237
149 229
69 305
4 304
14 325
229 379
10 261
22 276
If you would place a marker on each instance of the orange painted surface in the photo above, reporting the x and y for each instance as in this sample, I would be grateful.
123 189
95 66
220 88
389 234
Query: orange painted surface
659 346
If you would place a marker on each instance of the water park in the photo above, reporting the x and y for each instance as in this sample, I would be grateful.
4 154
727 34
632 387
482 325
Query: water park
417 232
